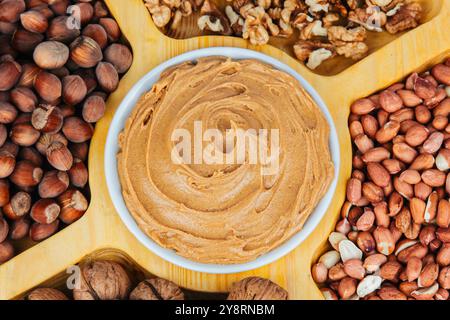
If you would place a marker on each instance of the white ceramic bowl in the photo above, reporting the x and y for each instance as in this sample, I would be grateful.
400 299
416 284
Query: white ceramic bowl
113 182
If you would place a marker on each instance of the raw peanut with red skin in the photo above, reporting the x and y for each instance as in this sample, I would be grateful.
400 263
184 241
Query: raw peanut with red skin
354 190
410 176
376 155
387 132
356 129
404 152
370 125
391 271
390 101
372 192
423 114
443 255
429 275
362 107
347 287
422 162
416 135
433 177
413 269
378 174
433 143
354 269
363 143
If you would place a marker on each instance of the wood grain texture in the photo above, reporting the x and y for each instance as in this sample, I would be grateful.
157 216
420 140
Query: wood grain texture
102 228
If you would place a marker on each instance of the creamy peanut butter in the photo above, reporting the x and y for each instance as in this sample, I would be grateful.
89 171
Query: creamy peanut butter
223 213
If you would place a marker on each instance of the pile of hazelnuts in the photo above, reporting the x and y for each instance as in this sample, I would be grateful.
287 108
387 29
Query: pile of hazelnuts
59 61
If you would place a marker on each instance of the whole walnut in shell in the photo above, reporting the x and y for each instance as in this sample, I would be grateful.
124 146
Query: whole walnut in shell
103 280
255 288
157 289
46 294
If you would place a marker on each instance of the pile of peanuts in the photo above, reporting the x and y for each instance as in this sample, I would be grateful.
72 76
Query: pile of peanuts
59 61
393 239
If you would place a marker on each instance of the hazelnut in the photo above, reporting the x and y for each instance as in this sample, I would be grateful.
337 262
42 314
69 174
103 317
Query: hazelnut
23 118
74 89
11 148
19 229
112 29
25 41
48 86
51 55
10 10
32 155
10 72
19 206
43 9
100 10
78 174
24 135
107 76
4 229
7 28
8 113
157 289
7 164
6 251
47 119
59 30
67 110
47 139
59 7
45 211
103 280
4 192
53 184
73 206
34 21
29 73
80 150
3 134
60 72
255 288
24 99
119 56
85 11
39 232
46 294
85 52
89 78
94 108
59 156
26 174
77 130
96 32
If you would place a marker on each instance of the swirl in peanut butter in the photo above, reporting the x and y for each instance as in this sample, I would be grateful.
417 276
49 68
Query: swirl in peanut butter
224 213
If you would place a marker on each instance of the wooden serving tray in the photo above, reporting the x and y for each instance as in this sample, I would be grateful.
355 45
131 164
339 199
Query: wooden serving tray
101 228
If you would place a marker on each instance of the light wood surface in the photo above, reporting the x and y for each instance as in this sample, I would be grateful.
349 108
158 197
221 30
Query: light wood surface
102 228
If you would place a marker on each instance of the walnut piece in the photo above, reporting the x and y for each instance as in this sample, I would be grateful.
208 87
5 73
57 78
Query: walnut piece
407 17
157 289
313 29
161 15
46 294
371 18
255 288
349 42
103 280
236 21
213 19
303 49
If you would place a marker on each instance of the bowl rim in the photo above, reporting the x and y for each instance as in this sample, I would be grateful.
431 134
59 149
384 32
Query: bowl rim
114 186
